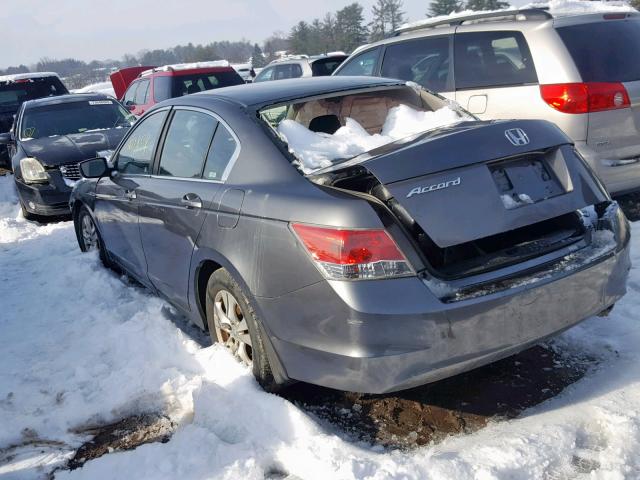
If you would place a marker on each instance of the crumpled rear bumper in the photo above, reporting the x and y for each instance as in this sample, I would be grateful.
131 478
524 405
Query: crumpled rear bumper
382 336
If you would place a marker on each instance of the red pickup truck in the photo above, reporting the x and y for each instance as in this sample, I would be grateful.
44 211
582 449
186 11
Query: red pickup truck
139 88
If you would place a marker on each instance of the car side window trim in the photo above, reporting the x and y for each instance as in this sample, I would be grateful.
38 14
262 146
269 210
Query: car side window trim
116 154
160 146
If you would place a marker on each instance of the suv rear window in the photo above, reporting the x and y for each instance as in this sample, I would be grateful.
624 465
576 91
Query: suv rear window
12 94
492 59
166 87
605 51
326 66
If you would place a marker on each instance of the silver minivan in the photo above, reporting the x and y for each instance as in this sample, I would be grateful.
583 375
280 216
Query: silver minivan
580 71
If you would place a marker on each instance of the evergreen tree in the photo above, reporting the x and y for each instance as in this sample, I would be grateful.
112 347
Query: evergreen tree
350 29
387 16
299 38
257 58
485 5
445 7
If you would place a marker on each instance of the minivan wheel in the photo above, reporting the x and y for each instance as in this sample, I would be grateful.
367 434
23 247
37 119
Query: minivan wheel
89 237
234 324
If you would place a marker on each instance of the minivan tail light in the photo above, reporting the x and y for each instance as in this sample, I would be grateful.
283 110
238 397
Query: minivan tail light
343 254
585 97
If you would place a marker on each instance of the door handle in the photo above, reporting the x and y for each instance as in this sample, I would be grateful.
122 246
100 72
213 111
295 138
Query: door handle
191 200
130 194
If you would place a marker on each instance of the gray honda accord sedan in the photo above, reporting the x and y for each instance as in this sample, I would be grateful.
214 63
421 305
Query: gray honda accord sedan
357 233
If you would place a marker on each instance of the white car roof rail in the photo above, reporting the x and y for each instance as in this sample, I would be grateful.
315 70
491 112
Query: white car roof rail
457 19
186 66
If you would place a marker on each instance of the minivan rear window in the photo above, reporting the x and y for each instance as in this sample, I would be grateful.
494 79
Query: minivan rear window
12 94
606 51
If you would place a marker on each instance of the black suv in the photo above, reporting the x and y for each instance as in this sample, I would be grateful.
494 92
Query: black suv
14 90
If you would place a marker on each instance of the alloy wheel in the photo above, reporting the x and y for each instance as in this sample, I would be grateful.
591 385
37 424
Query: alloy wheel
89 233
231 326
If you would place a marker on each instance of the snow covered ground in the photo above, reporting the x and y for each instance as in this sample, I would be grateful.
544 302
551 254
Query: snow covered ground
103 87
81 346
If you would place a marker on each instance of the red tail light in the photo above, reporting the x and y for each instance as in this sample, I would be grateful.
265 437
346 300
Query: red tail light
585 97
353 254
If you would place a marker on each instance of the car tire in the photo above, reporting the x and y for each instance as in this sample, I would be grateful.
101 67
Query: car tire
86 228
233 305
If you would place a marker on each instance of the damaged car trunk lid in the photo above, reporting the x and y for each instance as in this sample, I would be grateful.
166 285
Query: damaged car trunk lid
511 192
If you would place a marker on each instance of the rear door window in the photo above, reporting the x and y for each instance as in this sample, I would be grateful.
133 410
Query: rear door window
187 143
424 61
492 59
136 153
265 75
142 93
222 151
363 64
606 51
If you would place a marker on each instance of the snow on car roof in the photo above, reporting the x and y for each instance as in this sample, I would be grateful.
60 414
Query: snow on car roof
555 8
26 76
187 66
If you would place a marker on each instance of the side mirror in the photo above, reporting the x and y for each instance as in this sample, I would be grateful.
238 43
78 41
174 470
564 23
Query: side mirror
94 168
6 138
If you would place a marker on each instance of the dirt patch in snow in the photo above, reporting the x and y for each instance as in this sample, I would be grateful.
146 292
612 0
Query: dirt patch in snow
126 434
461 404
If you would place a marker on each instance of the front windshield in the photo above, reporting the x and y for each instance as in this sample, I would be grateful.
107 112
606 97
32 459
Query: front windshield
73 117
321 132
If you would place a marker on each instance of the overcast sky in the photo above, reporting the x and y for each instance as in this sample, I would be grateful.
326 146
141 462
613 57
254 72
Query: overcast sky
88 29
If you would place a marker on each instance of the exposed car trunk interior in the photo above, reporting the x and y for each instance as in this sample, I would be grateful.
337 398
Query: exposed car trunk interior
477 256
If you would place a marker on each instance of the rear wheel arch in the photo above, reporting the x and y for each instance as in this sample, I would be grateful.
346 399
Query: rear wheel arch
205 269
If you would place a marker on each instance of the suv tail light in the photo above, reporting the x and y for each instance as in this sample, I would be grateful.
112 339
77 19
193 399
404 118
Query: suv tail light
585 97
353 254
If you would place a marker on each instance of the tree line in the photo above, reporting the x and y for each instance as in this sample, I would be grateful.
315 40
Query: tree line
342 30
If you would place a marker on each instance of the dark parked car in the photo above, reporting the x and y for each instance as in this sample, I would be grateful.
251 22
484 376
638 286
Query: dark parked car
51 137
416 260
16 89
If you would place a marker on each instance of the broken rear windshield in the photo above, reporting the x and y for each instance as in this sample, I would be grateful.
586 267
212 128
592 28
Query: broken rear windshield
321 132
13 93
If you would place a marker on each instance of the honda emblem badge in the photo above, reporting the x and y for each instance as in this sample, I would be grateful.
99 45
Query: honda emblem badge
517 136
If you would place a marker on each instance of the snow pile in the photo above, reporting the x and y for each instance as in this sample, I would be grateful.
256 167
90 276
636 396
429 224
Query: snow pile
555 7
317 150
576 7
512 201
105 88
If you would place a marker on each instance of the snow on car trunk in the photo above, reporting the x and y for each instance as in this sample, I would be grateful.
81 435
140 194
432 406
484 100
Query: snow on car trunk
80 346
316 150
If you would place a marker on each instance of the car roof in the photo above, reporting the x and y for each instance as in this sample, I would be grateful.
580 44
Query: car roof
264 93
67 98
27 76
496 19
